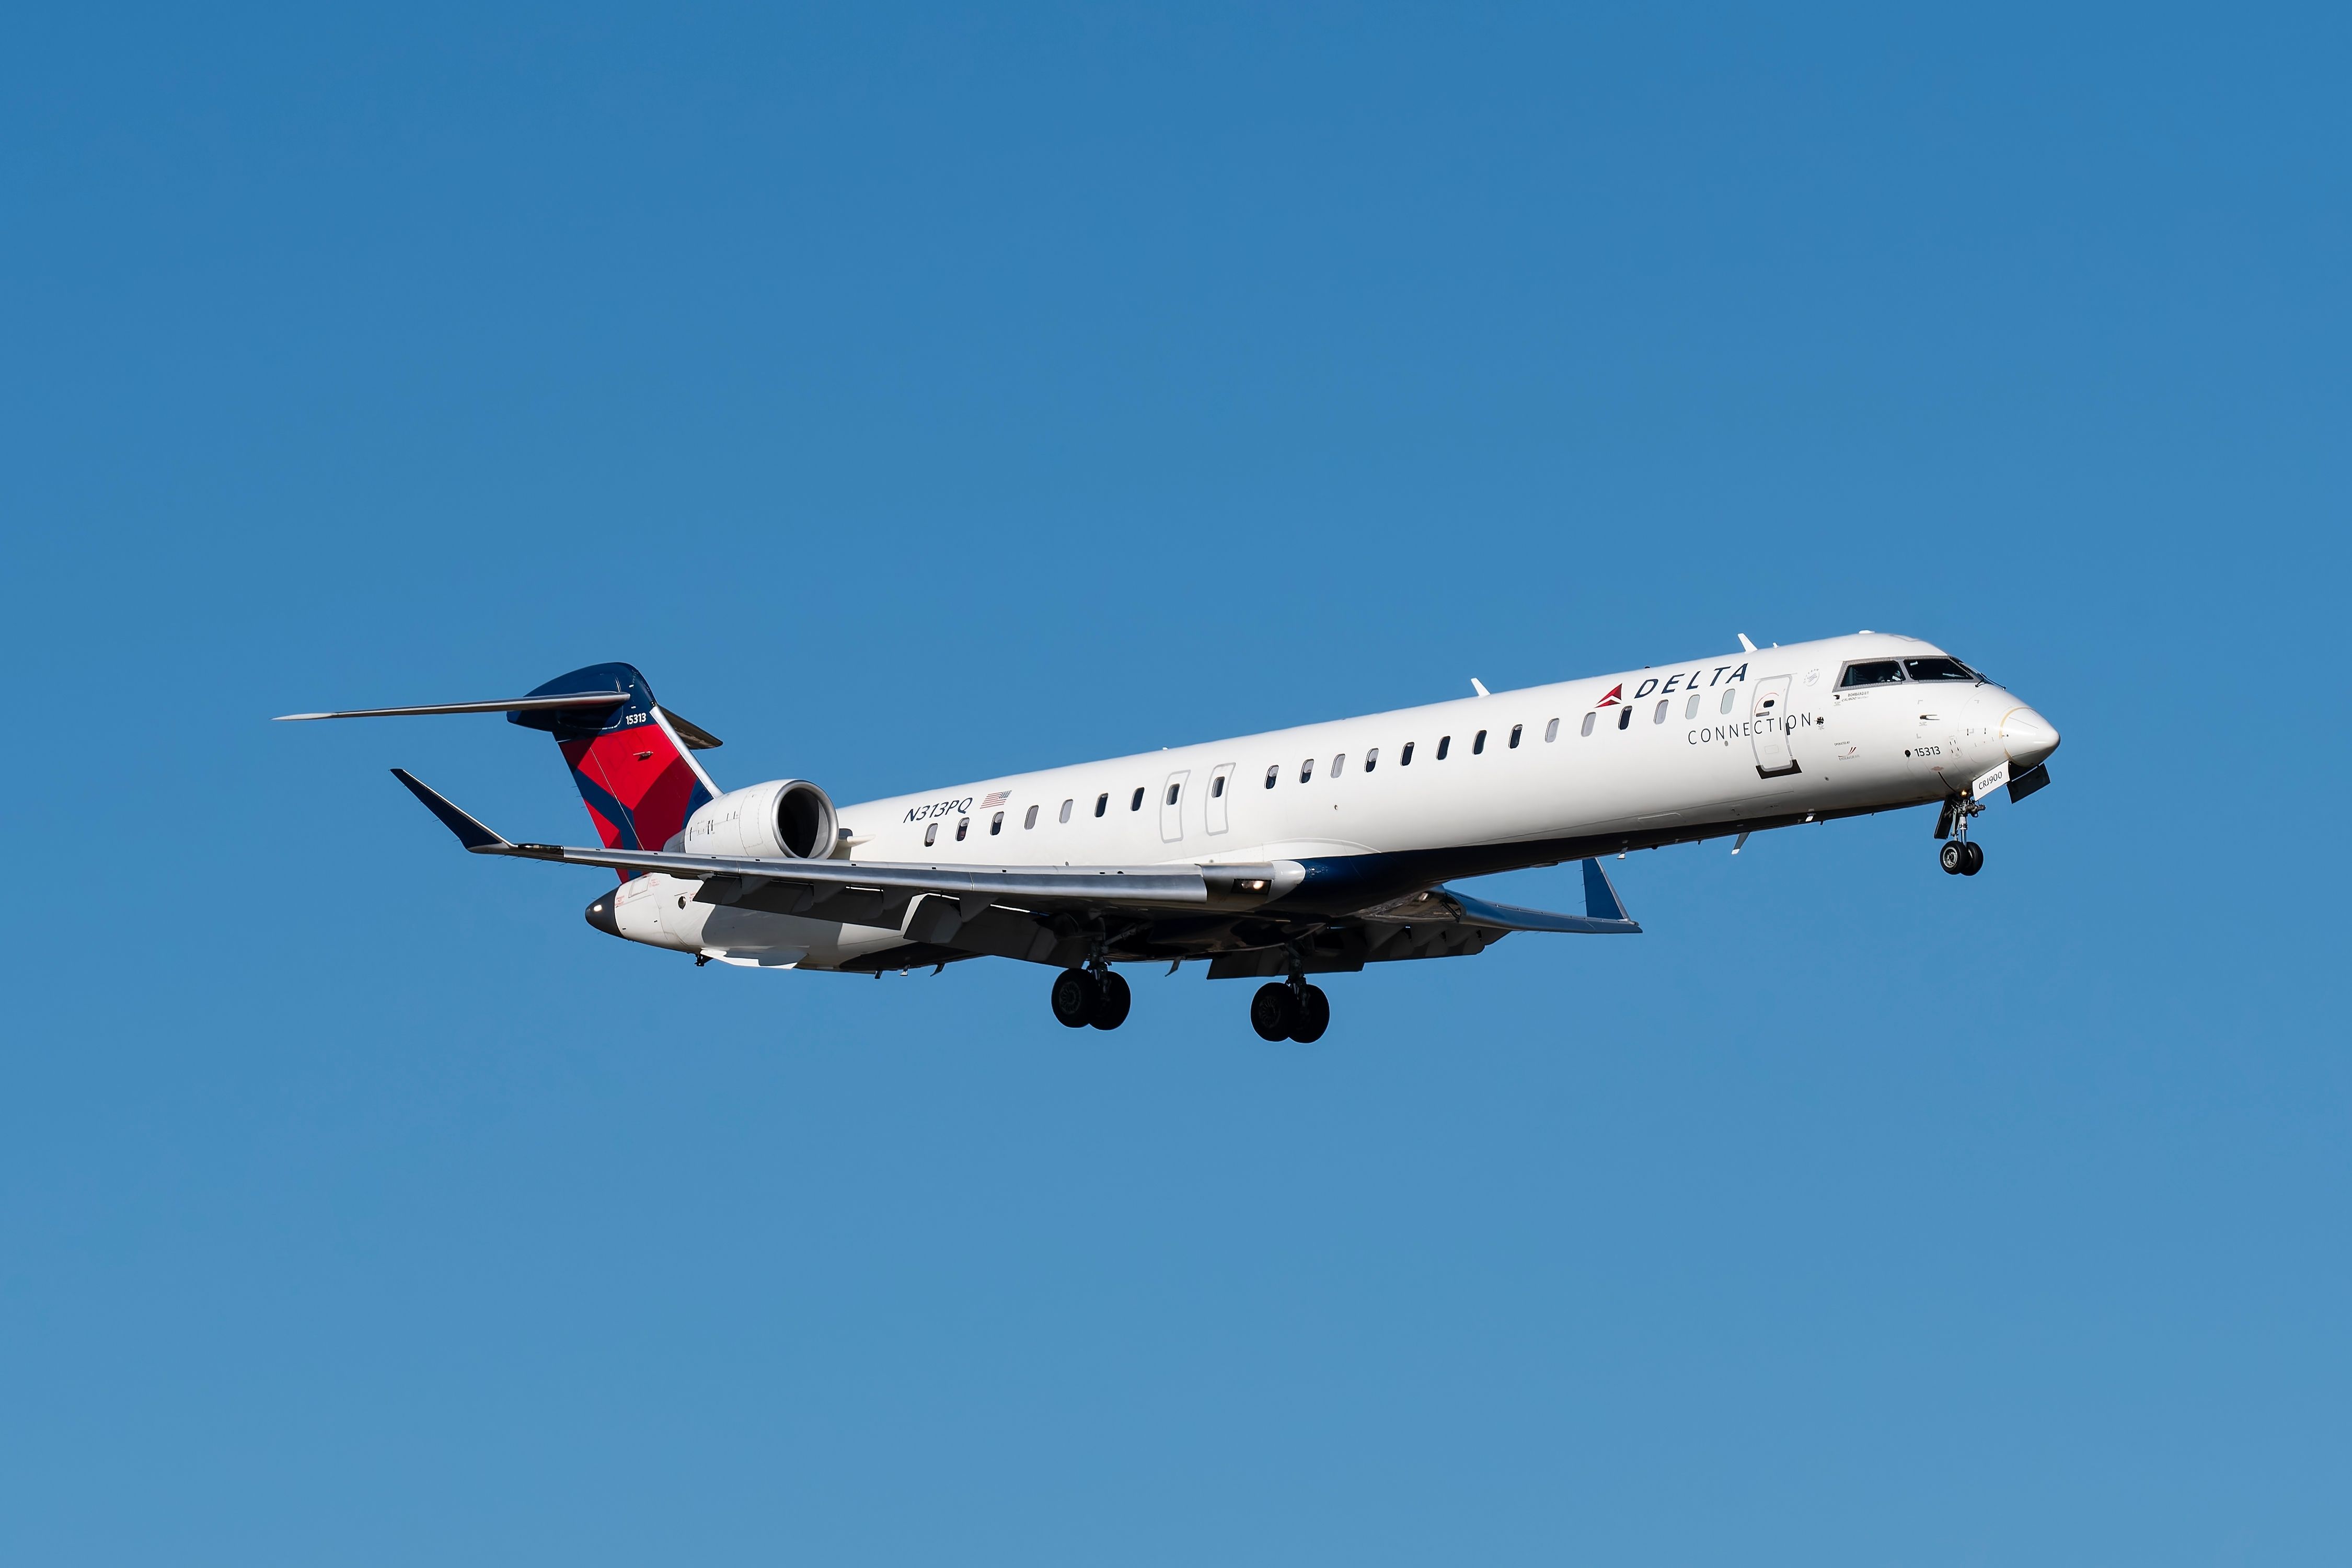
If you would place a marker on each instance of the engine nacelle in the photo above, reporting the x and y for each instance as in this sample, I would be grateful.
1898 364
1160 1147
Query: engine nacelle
785 819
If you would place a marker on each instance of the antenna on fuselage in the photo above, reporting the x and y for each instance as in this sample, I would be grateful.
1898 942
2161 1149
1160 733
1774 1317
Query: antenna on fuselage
1744 644
1478 686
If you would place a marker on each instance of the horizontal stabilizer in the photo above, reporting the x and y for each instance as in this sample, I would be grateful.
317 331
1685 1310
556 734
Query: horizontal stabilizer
696 737
503 705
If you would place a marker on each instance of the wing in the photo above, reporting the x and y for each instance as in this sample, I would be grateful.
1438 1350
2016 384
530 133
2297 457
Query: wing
867 892
1043 914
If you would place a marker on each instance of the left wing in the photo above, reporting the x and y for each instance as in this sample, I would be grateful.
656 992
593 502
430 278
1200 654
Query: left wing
862 892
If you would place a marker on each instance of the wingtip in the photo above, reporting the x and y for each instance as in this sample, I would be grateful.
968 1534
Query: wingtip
473 835
289 718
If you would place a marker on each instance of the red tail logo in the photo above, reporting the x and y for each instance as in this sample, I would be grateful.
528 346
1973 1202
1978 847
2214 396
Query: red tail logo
1616 695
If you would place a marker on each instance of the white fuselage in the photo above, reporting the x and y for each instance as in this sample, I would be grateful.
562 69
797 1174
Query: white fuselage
1666 753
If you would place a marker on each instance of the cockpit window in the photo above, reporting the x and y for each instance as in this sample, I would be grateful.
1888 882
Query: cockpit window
1873 672
1937 669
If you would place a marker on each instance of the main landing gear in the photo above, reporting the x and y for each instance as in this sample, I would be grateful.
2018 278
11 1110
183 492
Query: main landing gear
1291 1010
1099 996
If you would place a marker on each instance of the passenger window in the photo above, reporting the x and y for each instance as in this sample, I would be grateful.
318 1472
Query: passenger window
1306 770
1626 717
1136 804
1404 758
1660 716
930 835
1217 786
1690 709
1478 743
1589 718
1371 759
996 823
1728 693
1029 821
1515 736
1273 774
1551 732
1065 809
964 826
1869 672
1339 765
1102 803
1445 744
1172 792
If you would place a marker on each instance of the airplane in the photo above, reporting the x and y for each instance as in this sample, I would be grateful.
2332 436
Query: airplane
1307 851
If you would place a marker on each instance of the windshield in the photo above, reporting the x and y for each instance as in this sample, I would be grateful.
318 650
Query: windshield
1937 669
1873 672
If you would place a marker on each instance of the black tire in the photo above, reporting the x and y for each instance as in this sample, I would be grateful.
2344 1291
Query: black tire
1952 857
1976 859
1112 999
1075 995
1271 1011
1314 1015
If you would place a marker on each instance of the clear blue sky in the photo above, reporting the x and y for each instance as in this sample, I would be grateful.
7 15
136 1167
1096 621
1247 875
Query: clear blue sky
921 396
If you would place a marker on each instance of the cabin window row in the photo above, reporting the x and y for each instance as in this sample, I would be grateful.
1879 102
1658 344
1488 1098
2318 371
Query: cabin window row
1339 765
1658 713
1404 753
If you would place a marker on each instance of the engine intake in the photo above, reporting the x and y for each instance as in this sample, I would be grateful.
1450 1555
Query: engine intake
786 819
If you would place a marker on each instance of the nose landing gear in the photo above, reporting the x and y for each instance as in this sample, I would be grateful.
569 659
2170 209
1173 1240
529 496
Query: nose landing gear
1960 856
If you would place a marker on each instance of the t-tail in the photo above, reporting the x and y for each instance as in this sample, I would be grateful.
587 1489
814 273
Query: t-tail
633 761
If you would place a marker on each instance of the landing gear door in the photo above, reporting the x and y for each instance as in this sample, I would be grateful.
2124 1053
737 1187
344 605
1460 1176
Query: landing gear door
1171 808
1769 708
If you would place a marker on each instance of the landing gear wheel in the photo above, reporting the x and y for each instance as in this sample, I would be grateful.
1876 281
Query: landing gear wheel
1076 996
1112 999
1272 1012
1976 858
1953 856
1311 1015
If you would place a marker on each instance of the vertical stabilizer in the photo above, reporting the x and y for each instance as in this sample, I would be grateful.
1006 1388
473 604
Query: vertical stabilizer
637 776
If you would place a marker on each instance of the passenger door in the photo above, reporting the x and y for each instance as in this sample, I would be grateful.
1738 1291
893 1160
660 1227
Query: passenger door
1770 709
1172 809
1221 786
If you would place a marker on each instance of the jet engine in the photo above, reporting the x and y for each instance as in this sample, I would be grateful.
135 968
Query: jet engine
784 819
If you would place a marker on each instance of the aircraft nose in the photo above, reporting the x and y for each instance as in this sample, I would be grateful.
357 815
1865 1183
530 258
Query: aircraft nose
2027 737
600 915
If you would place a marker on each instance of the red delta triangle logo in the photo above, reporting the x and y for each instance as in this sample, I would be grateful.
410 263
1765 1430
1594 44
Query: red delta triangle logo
1616 695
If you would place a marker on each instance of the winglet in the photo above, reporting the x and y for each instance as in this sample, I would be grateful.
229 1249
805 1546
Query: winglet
1600 899
470 834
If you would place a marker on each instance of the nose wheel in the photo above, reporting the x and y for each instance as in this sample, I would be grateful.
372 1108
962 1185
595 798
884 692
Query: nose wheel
1962 856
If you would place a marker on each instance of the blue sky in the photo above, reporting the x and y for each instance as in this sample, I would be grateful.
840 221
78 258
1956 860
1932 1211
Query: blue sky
914 396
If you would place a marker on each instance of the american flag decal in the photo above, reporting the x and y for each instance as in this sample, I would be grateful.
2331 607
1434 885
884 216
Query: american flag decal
999 798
